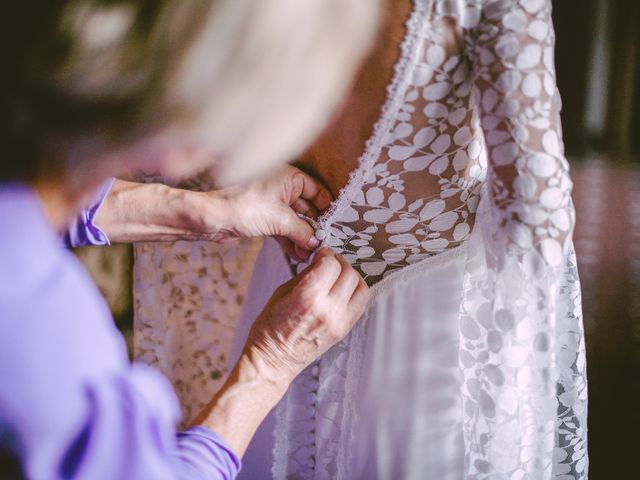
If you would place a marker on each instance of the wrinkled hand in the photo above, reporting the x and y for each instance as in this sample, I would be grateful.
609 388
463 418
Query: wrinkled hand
268 208
307 315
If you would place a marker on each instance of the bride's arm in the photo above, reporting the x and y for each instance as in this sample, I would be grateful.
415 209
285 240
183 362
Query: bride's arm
134 212
528 179
523 362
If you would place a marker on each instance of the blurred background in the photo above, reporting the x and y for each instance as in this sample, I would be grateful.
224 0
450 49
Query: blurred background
598 64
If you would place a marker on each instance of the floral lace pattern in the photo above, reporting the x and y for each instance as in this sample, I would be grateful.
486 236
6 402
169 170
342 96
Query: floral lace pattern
523 363
470 135
187 299
415 192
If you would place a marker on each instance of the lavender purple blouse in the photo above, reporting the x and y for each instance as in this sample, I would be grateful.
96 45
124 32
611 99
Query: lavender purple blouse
83 230
71 404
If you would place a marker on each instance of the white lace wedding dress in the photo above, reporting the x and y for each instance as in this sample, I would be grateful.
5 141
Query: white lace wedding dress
469 362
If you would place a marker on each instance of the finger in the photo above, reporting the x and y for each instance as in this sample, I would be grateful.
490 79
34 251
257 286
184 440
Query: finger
347 282
289 248
323 271
302 253
305 208
323 252
310 189
359 299
298 231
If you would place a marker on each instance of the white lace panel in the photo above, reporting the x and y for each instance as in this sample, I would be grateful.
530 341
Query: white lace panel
188 296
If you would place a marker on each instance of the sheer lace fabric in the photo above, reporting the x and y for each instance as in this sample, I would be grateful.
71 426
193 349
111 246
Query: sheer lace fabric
187 300
416 189
470 360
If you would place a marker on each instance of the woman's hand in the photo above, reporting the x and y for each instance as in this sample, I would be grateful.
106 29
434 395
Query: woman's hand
269 207
307 315
135 212
304 318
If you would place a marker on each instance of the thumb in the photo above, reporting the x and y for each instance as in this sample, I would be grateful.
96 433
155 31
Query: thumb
299 231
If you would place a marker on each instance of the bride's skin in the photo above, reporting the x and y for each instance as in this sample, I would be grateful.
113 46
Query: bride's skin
335 154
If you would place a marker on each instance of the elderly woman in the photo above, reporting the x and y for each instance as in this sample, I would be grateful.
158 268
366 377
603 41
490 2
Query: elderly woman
96 90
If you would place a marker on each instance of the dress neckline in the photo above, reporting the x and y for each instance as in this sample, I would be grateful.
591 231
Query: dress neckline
394 99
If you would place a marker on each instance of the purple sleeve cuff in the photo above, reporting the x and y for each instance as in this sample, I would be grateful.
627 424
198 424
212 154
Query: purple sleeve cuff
205 451
83 231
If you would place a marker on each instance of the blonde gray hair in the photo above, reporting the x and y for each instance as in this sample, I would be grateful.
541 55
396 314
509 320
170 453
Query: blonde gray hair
256 79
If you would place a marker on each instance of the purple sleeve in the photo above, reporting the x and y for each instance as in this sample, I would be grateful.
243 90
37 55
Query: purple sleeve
71 404
83 231
99 420
129 434
201 450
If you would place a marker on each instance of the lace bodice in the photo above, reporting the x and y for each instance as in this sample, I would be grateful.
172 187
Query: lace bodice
416 189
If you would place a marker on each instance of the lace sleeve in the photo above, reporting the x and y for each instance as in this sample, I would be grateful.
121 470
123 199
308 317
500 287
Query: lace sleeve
528 179
522 354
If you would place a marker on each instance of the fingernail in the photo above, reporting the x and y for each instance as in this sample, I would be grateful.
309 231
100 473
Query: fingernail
313 242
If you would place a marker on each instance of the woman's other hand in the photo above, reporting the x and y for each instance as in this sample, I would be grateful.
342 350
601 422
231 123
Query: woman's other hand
270 208
306 316
303 319
137 212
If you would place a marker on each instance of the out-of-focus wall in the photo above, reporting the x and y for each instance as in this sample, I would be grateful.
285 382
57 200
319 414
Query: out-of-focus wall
598 64
111 269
